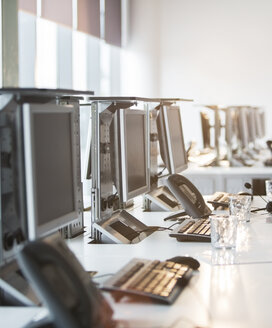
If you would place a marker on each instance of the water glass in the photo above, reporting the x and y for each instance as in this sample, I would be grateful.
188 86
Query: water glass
223 231
268 189
240 206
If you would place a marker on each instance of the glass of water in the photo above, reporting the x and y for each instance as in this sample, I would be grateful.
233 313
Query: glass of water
240 207
223 231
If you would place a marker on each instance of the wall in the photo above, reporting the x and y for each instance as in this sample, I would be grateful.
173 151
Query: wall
141 55
216 52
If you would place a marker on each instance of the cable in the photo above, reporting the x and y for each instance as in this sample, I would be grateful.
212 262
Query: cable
158 174
87 209
172 225
103 275
150 228
158 228
268 207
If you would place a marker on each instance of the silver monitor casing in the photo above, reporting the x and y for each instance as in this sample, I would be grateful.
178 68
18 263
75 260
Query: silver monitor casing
34 229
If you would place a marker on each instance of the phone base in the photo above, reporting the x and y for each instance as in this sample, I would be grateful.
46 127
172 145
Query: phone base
123 228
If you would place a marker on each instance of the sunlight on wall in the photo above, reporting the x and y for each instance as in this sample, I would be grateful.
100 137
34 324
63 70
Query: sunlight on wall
79 61
105 87
46 55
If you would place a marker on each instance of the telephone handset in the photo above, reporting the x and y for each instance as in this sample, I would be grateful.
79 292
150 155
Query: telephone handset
188 195
63 285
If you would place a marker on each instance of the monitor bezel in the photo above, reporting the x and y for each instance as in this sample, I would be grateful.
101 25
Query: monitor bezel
166 148
36 230
125 194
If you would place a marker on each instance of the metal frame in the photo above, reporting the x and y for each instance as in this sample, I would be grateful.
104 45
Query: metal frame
98 110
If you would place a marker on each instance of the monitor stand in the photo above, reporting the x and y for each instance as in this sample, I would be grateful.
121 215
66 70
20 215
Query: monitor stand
123 228
164 199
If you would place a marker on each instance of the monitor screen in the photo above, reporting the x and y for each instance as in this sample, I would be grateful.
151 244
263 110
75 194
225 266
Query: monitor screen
136 164
171 140
133 152
50 166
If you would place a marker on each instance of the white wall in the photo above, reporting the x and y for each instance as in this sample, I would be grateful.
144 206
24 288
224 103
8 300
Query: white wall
217 52
214 51
140 58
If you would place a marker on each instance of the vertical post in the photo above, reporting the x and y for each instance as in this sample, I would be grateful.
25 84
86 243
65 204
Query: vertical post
217 127
151 154
9 43
95 159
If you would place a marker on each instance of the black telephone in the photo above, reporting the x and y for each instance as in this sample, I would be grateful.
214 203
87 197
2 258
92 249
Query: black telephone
188 195
67 290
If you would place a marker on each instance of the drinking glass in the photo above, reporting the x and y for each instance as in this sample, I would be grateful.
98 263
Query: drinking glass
240 207
223 231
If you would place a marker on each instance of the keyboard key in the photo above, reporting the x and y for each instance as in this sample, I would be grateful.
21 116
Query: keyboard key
186 227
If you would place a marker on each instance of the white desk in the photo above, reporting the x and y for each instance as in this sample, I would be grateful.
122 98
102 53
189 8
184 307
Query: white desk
230 179
233 295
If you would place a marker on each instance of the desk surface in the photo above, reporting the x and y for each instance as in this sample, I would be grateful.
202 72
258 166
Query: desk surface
235 171
232 288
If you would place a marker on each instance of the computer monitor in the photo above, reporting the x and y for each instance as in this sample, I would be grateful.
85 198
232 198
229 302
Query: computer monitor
262 119
50 167
131 165
171 140
260 122
251 124
242 124
230 125
205 124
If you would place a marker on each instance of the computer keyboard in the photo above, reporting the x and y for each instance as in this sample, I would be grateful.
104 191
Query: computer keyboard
198 230
219 200
218 196
161 281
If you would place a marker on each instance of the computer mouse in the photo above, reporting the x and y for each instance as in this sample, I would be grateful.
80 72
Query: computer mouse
190 261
